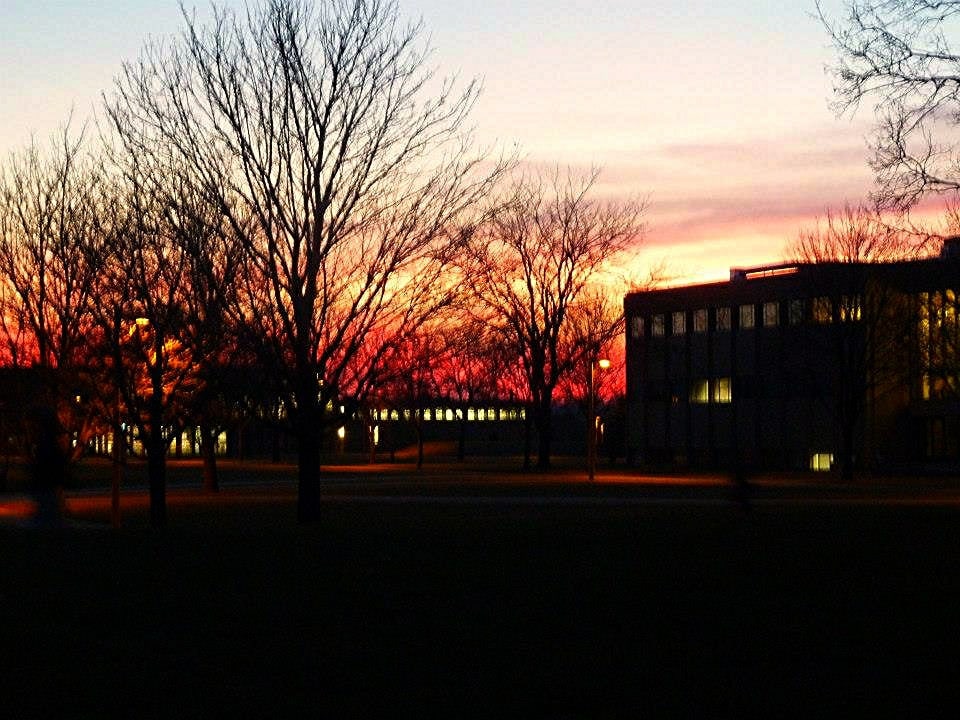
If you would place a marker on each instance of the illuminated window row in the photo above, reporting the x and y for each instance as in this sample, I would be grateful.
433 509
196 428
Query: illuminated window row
822 311
447 414
717 390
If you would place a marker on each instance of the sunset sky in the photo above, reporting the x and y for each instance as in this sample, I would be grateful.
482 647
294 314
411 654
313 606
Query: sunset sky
717 112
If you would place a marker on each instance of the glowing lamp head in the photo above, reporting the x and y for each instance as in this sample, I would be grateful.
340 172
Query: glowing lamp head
604 363
341 432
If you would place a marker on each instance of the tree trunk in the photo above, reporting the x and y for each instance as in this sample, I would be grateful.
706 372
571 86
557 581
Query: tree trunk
157 476
157 452
419 446
544 432
462 441
371 437
208 448
308 472
528 437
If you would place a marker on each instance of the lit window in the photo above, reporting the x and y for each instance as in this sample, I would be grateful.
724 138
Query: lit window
656 327
426 414
406 415
723 318
850 308
822 310
746 317
796 312
636 327
700 320
471 414
491 414
679 323
721 390
438 414
523 413
771 314
821 462
513 413
459 414
699 391
394 415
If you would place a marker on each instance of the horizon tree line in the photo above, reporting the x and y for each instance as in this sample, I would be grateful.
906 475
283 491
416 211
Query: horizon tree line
290 188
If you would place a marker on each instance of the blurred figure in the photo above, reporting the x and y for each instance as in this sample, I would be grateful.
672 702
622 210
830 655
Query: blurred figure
48 465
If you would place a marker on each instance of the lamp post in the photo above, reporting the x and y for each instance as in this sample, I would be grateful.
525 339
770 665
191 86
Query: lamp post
603 364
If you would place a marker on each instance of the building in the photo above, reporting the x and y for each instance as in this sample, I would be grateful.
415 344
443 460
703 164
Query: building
799 366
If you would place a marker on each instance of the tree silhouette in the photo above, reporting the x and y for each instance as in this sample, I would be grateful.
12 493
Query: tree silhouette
898 55
533 263
358 182
50 239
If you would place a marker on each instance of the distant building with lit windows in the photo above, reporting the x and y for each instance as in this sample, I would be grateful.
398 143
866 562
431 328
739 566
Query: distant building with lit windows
799 366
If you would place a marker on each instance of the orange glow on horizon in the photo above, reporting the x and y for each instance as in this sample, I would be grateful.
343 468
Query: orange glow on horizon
17 508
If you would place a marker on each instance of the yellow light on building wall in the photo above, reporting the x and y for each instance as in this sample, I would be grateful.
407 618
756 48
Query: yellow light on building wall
821 462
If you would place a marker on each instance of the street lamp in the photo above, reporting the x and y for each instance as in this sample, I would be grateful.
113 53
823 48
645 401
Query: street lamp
603 364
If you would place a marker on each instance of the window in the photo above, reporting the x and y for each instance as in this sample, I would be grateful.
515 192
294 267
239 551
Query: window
700 320
471 414
771 314
746 317
721 390
426 414
850 308
723 318
821 462
679 323
656 326
636 327
796 312
822 310
700 392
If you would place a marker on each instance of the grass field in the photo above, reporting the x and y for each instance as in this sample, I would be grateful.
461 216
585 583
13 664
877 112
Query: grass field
453 610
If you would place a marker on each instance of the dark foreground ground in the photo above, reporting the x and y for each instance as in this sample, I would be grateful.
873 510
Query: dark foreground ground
682 606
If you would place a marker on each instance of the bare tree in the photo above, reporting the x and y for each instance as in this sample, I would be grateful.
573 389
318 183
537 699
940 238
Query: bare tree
863 321
356 178
167 284
898 55
49 263
471 370
857 234
531 266
408 378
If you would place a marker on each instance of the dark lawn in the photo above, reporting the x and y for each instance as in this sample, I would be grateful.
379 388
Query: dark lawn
696 611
